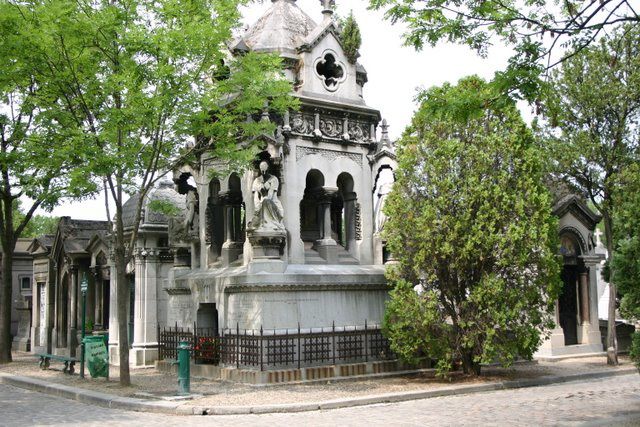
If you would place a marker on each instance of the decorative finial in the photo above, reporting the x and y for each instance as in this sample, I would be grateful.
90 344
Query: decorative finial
327 7
385 142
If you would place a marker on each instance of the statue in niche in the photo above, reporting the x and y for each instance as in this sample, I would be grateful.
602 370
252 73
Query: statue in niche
268 213
383 188
184 227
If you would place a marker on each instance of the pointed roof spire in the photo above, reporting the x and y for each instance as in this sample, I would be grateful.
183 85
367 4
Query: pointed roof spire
385 143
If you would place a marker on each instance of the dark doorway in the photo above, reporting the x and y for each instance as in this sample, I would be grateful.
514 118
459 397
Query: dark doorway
568 304
207 319
106 300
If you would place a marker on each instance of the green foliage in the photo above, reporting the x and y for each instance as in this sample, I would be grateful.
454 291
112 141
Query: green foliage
164 207
140 86
470 224
532 28
41 225
593 134
634 352
351 38
626 258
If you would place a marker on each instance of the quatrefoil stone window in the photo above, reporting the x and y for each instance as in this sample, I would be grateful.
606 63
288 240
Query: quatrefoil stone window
330 71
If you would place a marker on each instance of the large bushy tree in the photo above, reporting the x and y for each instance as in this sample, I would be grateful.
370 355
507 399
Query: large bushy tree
143 79
593 111
39 152
470 224
538 31
626 258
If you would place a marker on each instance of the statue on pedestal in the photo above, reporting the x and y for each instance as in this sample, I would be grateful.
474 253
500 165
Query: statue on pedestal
268 212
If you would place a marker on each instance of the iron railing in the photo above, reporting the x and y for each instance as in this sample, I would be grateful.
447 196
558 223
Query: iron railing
276 349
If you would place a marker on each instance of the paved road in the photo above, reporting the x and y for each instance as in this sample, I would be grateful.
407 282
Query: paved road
612 401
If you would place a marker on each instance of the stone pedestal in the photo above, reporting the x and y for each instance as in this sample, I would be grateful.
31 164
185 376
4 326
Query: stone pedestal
326 246
22 341
268 250
230 252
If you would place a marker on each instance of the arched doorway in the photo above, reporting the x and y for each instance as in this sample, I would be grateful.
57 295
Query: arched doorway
569 301
344 207
310 209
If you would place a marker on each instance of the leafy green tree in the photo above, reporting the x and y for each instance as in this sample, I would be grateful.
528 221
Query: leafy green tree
38 151
143 80
470 224
351 38
535 30
593 133
626 259
37 225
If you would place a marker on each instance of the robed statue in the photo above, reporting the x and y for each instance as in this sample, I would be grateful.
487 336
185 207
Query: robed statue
268 213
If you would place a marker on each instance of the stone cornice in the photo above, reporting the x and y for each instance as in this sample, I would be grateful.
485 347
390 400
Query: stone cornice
293 287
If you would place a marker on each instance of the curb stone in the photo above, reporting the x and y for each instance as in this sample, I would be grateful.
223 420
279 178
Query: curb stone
140 405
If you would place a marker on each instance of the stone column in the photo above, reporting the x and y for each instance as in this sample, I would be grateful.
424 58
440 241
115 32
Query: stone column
350 222
585 316
327 247
144 350
74 312
113 318
589 282
36 324
231 249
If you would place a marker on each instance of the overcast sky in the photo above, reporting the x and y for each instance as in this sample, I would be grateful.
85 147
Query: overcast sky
395 73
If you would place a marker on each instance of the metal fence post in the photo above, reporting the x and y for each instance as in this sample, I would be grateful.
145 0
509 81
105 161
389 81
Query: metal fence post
366 346
333 339
237 345
299 345
261 351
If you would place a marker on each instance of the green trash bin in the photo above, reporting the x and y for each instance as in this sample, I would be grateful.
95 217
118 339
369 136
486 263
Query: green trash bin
96 356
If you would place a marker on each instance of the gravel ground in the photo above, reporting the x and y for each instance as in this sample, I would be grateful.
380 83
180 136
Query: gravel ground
221 393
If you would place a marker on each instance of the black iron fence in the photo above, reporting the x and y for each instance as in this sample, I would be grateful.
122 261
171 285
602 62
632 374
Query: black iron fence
276 349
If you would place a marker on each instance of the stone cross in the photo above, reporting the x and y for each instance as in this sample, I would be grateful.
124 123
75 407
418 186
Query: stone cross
598 234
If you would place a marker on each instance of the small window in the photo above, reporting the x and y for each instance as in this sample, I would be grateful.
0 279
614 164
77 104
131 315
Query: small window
25 283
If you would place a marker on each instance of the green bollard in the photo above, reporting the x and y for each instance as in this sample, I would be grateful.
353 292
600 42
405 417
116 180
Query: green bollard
184 368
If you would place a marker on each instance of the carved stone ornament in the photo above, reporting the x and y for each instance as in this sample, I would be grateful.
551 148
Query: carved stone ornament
327 154
331 127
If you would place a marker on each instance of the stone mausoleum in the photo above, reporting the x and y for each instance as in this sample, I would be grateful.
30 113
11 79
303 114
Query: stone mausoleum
294 241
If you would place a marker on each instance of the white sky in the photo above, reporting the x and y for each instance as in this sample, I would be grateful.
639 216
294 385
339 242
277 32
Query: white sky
395 72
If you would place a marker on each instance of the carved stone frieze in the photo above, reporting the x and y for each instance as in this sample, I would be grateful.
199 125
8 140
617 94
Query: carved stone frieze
327 154
332 126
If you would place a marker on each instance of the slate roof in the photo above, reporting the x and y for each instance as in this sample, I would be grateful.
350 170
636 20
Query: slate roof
76 234
283 28
163 191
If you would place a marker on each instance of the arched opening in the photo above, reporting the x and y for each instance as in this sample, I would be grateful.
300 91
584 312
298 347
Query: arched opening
234 220
215 222
569 302
103 291
344 207
310 209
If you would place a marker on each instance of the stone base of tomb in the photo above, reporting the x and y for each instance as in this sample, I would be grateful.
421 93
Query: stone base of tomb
555 348
305 296
296 375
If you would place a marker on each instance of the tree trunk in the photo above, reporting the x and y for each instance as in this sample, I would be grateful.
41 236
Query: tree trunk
123 318
5 303
612 342
469 366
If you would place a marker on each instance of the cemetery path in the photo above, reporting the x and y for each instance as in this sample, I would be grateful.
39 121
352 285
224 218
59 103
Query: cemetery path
606 401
